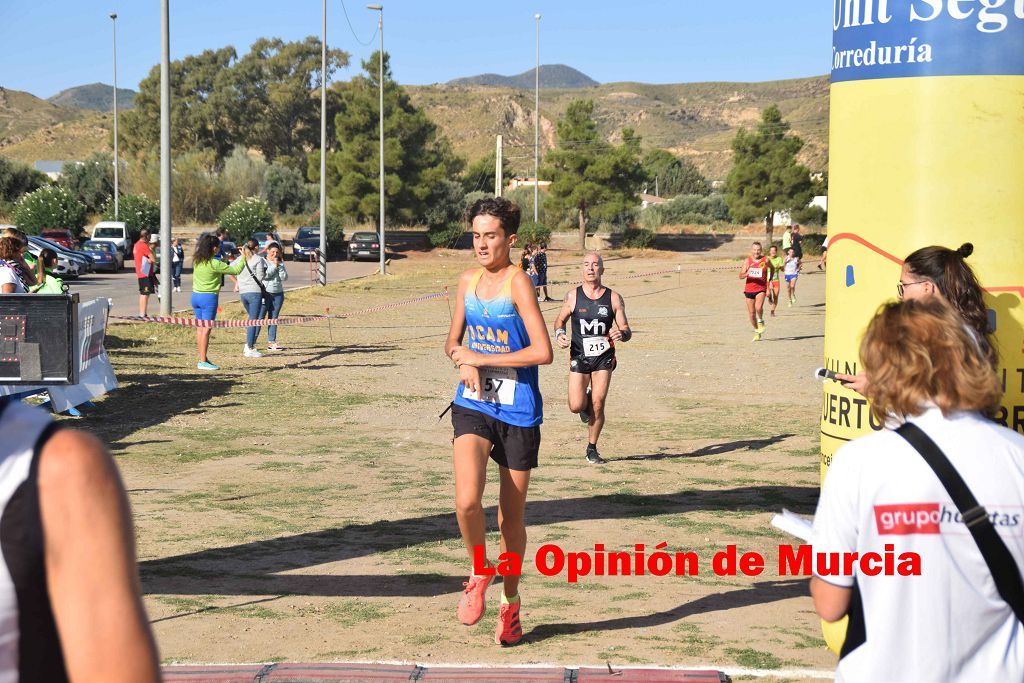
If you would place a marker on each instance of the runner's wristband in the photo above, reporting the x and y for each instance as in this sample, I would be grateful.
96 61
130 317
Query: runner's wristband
559 332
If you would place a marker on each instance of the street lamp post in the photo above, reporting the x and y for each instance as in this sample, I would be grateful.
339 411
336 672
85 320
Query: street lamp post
165 155
322 262
380 29
536 128
113 21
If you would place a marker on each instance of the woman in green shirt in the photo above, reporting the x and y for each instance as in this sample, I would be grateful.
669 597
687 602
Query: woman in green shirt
207 272
774 268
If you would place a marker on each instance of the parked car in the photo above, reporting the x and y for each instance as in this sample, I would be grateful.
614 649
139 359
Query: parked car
305 243
104 254
364 245
65 269
265 238
65 238
84 263
116 232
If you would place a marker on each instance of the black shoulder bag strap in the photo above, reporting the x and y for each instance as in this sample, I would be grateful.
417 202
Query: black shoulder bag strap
263 290
997 556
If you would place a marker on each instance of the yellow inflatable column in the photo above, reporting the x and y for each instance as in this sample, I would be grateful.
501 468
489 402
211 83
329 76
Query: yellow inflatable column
926 147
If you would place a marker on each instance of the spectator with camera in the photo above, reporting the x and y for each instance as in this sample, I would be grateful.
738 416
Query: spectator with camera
274 282
253 292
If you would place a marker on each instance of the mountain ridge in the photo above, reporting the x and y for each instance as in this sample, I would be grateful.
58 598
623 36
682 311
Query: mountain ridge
94 97
551 76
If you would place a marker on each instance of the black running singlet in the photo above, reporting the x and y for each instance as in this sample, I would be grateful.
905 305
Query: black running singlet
591 322
30 648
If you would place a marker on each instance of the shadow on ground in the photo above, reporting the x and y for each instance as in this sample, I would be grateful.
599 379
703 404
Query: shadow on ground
758 594
255 568
713 449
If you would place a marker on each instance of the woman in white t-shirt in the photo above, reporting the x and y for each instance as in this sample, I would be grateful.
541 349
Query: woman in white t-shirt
10 256
880 496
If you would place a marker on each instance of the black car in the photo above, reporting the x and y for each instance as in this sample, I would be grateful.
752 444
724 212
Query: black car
364 245
305 243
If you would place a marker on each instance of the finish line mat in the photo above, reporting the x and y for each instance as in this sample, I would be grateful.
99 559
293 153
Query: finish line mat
356 673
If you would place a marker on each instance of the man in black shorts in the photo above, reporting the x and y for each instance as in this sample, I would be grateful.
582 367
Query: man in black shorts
598 320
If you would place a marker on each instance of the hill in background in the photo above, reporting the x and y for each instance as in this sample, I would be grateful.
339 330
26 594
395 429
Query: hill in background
551 76
32 129
695 120
95 97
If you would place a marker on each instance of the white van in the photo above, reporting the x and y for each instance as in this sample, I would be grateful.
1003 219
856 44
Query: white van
115 232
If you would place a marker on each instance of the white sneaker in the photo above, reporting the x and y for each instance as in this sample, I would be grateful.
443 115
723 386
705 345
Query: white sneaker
251 353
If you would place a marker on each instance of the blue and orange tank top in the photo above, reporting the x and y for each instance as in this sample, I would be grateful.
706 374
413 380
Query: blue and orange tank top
493 326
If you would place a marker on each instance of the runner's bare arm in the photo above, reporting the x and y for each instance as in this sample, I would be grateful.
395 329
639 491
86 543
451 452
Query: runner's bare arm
621 331
568 303
830 602
538 352
90 564
746 268
468 375
458 328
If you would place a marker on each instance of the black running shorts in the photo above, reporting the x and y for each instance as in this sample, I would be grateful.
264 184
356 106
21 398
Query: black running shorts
585 366
512 447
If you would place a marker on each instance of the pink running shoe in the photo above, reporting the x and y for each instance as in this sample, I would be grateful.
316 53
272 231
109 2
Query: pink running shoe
510 631
473 600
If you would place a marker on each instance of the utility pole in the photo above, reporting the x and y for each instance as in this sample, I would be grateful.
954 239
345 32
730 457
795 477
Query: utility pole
113 21
165 155
322 261
380 29
656 193
498 179
536 128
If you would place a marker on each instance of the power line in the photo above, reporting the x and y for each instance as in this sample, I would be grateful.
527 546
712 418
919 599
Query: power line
350 28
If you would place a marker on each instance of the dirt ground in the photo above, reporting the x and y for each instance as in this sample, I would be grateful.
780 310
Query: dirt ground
299 506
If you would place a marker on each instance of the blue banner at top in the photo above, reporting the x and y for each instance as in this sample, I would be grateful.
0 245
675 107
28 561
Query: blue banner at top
908 38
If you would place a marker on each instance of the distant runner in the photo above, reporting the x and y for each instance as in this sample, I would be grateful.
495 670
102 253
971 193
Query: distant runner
775 265
792 272
755 272
598 318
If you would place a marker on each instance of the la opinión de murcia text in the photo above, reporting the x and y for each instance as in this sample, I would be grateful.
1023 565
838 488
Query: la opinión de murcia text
552 560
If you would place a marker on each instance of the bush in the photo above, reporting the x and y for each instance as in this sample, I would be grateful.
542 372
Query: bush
91 181
637 238
138 212
16 179
686 209
285 190
49 207
811 215
448 236
243 175
533 233
246 216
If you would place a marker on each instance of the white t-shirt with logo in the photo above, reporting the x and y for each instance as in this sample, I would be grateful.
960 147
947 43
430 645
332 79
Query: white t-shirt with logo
8 276
949 623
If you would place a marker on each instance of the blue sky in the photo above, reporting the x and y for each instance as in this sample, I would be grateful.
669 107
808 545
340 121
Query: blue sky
49 45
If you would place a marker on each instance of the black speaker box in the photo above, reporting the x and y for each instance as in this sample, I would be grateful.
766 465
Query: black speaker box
37 339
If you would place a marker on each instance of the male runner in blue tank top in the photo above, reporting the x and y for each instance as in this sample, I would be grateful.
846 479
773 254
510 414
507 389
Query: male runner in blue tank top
598 317
497 409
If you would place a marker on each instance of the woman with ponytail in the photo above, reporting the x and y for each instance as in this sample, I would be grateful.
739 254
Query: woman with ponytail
938 271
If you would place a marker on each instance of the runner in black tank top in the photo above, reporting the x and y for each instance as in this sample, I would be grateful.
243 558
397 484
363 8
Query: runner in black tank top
597 316
70 601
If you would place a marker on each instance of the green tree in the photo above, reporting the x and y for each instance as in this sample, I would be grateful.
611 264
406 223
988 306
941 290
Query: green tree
285 189
206 112
765 175
139 212
416 158
272 96
16 179
49 207
479 175
90 181
243 175
675 176
589 176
